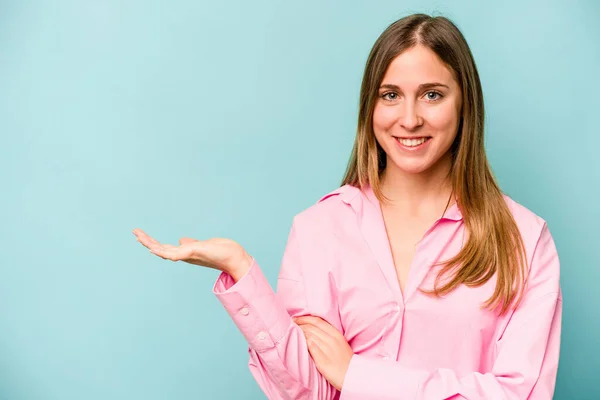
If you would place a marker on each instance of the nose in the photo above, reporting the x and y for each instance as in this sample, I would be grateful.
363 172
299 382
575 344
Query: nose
410 118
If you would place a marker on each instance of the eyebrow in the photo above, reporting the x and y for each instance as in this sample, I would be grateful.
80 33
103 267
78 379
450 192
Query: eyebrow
421 87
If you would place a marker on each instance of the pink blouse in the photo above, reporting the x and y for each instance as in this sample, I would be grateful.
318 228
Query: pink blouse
338 266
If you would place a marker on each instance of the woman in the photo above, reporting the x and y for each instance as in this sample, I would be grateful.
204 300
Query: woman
417 278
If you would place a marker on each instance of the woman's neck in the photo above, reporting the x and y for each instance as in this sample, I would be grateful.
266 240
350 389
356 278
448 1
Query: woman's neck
416 193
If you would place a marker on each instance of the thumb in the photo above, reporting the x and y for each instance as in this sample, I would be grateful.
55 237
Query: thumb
186 240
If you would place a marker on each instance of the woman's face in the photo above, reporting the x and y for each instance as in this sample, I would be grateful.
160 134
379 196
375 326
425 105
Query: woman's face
417 112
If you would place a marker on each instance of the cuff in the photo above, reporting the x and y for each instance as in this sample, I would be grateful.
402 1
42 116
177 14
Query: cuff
252 304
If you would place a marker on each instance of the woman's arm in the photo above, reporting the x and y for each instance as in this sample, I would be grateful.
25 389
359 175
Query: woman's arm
279 357
527 352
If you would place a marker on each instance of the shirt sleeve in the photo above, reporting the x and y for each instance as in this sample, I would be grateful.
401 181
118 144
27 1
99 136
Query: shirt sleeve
527 352
279 358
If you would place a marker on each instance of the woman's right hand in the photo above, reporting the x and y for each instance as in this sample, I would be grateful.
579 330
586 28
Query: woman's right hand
218 253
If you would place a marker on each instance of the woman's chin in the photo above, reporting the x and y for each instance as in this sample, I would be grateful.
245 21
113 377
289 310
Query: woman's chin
419 165
411 169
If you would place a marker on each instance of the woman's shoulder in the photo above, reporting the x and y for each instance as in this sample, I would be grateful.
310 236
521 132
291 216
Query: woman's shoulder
530 224
521 213
330 208
542 255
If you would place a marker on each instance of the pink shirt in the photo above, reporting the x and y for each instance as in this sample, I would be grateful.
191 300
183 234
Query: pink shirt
338 266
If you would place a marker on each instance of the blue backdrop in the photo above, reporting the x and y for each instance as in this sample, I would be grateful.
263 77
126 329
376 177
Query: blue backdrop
226 118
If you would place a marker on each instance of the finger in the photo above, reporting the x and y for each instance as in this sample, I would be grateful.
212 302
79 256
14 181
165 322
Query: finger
138 232
144 239
147 243
315 334
164 251
185 240
172 253
320 323
317 353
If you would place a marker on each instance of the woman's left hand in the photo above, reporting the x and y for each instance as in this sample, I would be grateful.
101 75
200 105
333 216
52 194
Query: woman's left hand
328 348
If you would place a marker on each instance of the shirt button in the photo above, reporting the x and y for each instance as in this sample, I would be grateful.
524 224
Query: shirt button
244 311
386 357
398 307
262 335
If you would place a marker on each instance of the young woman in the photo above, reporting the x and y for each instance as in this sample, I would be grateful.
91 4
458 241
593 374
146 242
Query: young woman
417 278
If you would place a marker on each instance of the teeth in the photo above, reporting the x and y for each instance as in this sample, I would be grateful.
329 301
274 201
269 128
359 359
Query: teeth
411 142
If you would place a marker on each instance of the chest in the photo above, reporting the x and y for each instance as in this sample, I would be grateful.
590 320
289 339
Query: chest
404 235
375 320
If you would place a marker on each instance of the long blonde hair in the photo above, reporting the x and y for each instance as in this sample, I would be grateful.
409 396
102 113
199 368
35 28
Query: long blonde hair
494 244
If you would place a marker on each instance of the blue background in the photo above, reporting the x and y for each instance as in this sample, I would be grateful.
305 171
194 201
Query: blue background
226 118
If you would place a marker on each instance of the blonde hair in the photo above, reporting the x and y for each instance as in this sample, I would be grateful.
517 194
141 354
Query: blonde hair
494 244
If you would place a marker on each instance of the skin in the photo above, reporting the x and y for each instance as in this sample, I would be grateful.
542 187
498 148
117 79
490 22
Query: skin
415 182
405 110
418 98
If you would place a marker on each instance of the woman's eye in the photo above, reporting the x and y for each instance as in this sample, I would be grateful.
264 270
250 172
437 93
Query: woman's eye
389 96
433 96
429 96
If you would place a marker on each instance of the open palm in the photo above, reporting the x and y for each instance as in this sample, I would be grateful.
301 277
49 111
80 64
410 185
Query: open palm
217 253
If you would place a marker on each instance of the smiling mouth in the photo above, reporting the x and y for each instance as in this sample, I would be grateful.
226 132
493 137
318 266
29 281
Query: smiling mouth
412 142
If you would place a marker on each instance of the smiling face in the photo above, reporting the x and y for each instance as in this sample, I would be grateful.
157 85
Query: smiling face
417 112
